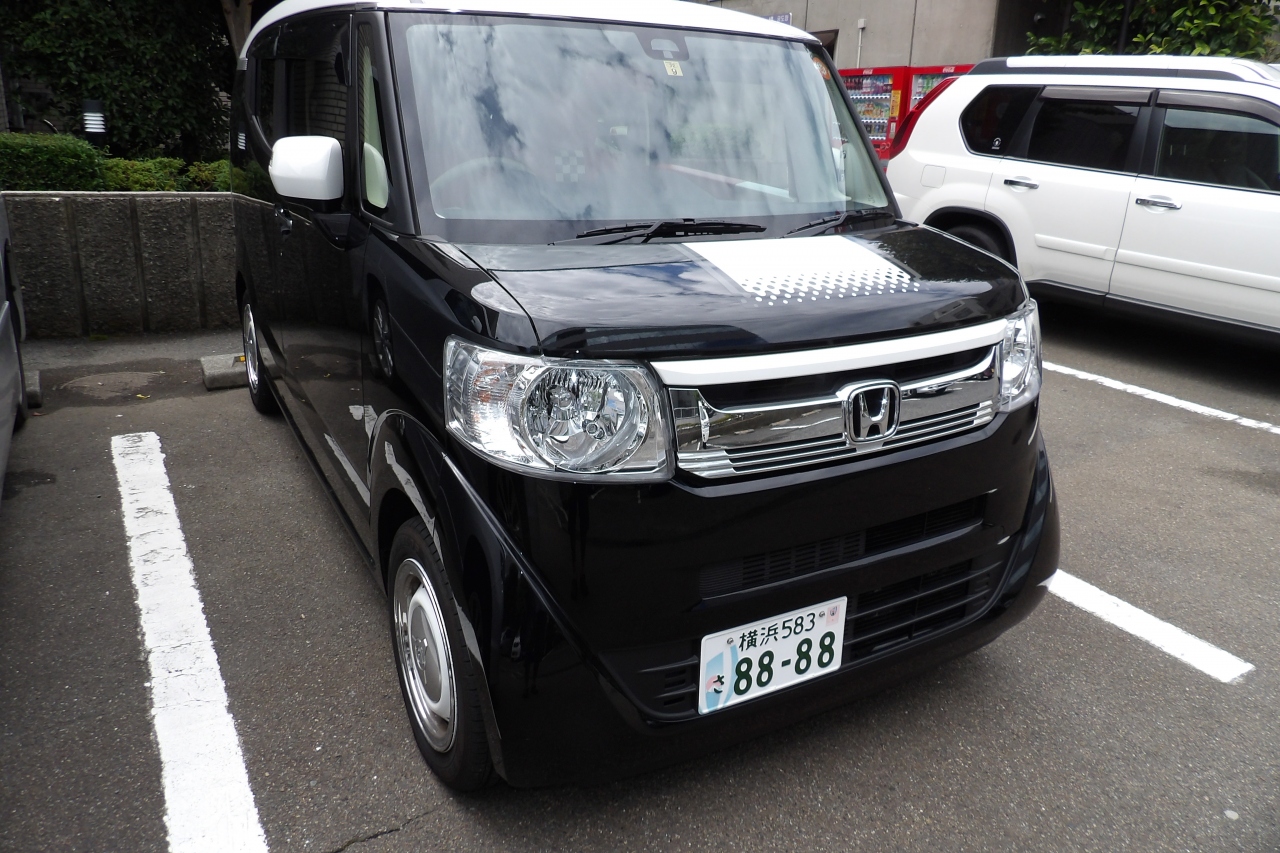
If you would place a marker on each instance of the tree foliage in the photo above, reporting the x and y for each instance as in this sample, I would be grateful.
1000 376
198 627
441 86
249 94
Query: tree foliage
1179 27
158 66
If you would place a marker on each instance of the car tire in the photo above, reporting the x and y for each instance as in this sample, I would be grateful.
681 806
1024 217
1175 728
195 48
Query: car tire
982 236
24 409
259 391
439 680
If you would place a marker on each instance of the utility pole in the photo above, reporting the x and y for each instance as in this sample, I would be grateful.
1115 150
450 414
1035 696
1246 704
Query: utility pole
4 105
1124 27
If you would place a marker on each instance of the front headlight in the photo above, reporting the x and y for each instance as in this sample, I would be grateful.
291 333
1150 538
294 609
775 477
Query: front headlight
560 418
1020 357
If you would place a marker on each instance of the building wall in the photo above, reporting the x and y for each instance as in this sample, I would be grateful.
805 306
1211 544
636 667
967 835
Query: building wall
898 32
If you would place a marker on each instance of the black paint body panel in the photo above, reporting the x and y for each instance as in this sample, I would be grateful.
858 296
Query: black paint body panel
663 300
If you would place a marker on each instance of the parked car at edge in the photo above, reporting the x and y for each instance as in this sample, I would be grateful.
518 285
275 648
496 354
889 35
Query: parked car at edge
13 395
1146 185
598 321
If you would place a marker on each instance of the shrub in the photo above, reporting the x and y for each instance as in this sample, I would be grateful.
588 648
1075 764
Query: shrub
209 177
163 174
46 161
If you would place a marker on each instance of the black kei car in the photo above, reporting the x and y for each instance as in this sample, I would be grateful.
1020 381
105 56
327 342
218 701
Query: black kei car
657 423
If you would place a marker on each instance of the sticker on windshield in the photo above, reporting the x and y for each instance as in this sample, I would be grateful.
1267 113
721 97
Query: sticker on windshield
673 68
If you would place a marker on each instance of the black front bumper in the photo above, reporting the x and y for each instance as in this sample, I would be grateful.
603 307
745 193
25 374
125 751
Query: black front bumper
604 593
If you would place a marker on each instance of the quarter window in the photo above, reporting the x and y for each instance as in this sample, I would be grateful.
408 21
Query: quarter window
376 179
1227 149
991 120
1087 134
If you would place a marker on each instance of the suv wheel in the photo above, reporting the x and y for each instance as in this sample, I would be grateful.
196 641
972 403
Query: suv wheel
982 236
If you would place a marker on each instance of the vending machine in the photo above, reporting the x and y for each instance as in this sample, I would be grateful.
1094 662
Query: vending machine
877 95
883 96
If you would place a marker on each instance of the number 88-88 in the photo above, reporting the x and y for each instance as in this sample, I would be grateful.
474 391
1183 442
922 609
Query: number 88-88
804 660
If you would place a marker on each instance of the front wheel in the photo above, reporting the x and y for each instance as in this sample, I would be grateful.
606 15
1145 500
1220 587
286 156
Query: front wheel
983 237
438 678
263 400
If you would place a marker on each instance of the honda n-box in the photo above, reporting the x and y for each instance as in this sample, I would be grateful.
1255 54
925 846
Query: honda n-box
658 426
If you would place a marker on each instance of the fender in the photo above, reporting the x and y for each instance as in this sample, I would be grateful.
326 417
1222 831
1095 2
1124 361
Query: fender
405 458
946 216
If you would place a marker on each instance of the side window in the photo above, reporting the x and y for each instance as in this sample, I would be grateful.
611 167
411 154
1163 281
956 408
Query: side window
376 179
990 121
1227 149
313 54
264 85
1088 134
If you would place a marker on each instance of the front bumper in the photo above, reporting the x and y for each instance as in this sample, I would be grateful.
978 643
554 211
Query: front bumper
603 593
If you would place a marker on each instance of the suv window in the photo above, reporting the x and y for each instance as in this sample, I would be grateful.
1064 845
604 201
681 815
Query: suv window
1089 134
1228 149
990 121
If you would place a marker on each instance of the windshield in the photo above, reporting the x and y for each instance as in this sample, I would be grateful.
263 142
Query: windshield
526 130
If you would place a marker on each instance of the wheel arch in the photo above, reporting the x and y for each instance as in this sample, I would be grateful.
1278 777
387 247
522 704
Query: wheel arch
406 467
945 218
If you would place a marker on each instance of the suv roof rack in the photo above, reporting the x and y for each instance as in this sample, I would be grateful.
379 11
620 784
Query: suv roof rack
1205 67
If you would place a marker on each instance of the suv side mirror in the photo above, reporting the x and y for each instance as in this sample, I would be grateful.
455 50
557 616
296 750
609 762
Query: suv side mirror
307 167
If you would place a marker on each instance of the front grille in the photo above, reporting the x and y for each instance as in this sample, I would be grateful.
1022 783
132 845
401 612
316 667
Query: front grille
763 569
834 448
882 619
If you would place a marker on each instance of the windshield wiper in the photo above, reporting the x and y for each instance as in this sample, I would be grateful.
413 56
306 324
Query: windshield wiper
820 225
664 228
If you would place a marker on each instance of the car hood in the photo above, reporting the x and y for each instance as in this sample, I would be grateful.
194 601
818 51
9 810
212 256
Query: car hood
746 296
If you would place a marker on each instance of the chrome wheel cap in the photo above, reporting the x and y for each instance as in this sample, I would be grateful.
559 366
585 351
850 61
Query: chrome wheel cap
250 334
425 661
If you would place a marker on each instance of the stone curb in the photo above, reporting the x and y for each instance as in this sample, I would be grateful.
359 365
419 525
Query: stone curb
35 395
223 371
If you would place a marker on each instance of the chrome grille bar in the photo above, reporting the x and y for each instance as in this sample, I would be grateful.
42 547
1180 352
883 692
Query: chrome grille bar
713 442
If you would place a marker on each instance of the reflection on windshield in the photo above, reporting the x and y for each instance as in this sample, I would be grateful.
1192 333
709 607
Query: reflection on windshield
576 122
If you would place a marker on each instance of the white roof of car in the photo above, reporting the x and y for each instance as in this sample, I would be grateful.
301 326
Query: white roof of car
1240 69
663 13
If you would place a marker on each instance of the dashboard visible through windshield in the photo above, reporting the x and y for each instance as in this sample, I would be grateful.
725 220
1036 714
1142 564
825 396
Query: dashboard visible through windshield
526 130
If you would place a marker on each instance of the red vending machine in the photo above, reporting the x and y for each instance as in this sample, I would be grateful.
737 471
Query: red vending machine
883 96
877 96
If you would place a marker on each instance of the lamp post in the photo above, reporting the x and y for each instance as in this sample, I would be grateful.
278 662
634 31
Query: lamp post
95 122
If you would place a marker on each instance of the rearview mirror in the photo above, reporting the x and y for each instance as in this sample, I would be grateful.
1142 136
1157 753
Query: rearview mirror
307 167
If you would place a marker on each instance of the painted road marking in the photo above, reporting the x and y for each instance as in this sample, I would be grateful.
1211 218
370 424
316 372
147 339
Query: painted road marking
1208 658
208 803
1168 400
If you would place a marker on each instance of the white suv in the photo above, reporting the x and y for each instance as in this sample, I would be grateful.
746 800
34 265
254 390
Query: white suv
1142 184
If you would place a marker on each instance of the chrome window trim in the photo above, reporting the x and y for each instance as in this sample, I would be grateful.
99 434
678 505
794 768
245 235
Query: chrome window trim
786 365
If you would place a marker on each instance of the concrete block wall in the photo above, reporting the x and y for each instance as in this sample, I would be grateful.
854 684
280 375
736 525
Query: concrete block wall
118 263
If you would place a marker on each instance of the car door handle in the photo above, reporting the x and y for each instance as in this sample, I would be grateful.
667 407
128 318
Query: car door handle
1021 183
285 221
1157 201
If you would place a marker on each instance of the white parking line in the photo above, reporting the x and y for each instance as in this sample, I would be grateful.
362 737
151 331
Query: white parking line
1168 400
208 803
1207 658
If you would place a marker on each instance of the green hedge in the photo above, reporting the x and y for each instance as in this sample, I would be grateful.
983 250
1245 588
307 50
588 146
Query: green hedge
46 162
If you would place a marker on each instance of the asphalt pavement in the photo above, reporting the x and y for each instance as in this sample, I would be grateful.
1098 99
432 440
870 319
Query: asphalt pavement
1067 733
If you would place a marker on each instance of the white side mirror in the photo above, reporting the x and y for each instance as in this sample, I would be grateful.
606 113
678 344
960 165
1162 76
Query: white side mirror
307 167
377 186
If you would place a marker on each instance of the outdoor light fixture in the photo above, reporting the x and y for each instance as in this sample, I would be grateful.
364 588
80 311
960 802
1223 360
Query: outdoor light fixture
95 122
